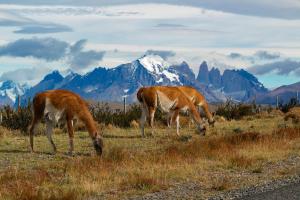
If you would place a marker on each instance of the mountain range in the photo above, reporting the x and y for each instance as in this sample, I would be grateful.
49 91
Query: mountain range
103 84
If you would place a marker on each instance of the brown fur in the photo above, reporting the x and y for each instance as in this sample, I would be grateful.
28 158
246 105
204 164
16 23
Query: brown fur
72 106
152 98
198 99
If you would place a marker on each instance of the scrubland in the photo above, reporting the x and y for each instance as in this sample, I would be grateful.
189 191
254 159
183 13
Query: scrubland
233 154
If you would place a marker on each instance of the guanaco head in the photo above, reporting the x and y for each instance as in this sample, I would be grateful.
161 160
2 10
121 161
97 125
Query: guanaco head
98 145
201 128
212 120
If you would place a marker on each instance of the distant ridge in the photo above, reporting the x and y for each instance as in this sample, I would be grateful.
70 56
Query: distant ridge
284 93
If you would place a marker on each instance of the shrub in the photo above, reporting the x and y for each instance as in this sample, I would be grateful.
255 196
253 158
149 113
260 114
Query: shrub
286 107
231 110
16 120
102 113
295 118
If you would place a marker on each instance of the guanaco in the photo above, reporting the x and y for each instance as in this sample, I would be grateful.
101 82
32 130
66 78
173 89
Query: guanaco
198 100
59 106
167 99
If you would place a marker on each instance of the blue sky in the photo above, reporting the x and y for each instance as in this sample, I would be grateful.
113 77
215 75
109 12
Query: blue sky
40 36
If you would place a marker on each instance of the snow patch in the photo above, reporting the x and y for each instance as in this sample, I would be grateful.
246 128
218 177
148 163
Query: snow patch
154 63
160 80
171 76
90 89
11 93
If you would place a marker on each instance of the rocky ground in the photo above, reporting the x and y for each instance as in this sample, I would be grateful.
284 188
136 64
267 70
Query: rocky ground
266 187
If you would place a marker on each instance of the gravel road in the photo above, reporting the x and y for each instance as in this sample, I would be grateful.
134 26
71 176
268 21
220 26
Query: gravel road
289 192
286 187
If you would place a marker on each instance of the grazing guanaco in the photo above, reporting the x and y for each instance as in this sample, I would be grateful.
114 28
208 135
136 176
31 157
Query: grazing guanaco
198 100
167 99
57 106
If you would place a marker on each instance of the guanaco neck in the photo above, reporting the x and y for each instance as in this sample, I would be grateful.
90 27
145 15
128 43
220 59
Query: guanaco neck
195 114
88 120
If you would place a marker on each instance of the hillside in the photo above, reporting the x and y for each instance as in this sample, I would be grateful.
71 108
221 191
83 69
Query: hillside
284 93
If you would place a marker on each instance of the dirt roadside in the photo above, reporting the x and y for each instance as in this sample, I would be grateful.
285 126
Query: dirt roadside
266 187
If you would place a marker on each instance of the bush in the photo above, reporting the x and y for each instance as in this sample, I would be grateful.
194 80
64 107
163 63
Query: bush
231 110
16 120
286 107
102 113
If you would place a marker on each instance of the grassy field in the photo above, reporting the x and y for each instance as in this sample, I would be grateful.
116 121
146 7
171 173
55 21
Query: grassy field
233 154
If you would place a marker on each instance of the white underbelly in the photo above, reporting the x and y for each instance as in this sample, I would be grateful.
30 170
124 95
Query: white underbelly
184 109
52 113
165 103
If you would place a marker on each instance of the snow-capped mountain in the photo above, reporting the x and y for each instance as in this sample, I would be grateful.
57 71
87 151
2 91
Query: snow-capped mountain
10 90
159 68
104 84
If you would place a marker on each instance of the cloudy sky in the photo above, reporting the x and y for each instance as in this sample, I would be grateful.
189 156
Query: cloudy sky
38 36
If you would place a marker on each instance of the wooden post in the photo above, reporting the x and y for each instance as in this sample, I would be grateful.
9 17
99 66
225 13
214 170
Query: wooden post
1 118
277 102
19 103
124 98
297 97
254 104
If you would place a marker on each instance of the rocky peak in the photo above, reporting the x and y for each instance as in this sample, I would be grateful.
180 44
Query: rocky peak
203 75
215 77
241 85
185 70
55 75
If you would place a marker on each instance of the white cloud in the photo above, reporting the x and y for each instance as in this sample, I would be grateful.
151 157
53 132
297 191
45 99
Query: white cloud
141 25
288 9
140 11
194 33
29 76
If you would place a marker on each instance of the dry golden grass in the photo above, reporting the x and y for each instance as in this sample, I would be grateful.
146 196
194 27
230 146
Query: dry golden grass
4 132
134 124
293 114
132 165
